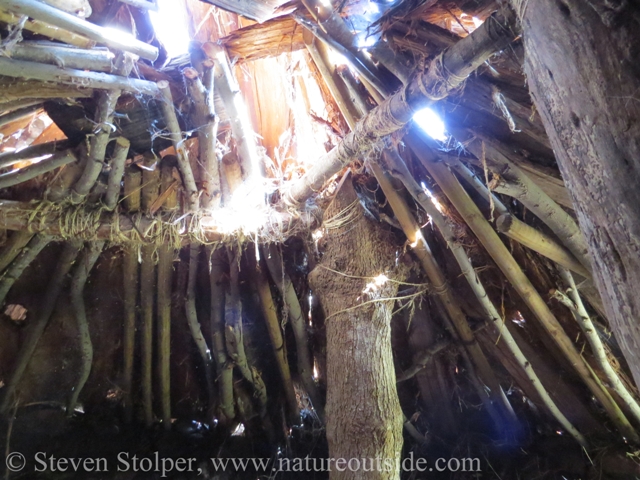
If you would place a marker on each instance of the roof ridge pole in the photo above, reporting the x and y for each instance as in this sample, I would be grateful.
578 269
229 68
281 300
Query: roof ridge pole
446 73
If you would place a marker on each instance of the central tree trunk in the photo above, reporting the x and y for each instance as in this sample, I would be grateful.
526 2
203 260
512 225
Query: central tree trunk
582 68
364 419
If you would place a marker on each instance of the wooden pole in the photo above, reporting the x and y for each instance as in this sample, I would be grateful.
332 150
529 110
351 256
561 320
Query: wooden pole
21 175
194 325
45 13
223 363
47 306
491 313
175 133
451 305
150 189
447 72
34 151
206 121
75 78
132 182
539 242
165 271
48 30
270 314
18 266
98 60
17 241
114 184
507 264
574 303
274 262
84 266
227 87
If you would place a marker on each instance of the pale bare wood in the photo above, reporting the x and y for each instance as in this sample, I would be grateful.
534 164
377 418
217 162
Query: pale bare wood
45 13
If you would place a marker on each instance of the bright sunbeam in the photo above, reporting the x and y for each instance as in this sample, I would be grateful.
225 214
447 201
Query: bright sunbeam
431 123
170 25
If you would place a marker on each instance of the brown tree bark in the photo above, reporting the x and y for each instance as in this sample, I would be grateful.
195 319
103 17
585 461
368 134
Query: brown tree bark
581 63
364 419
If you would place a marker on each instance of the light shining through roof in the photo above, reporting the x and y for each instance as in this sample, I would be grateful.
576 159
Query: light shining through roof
431 123
171 27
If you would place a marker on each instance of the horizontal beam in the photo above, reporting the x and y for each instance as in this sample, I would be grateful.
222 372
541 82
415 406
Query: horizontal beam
21 175
87 224
98 60
78 78
46 13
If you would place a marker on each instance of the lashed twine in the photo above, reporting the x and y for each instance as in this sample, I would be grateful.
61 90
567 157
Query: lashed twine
437 82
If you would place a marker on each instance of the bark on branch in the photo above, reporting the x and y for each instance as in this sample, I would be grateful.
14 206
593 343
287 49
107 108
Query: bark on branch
445 74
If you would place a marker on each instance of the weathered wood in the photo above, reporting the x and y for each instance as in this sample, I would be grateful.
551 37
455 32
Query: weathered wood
78 78
270 314
574 303
194 326
263 40
496 403
586 93
223 364
359 356
114 184
175 133
19 114
13 247
39 323
21 175
64 56
9 158
275 264
23 260
446 73
490 311
130 275
148 281
106 106
227 87
45 13
48 30
539 242
318 52
27 90
163 301
85 264
119 228
507 264
206 122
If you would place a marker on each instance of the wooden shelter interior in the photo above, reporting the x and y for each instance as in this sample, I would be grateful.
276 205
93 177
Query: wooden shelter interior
244 228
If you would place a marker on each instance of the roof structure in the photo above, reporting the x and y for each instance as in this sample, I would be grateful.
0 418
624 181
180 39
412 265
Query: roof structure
189 206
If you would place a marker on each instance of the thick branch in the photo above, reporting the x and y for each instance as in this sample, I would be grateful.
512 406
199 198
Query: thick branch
21 175
539 242
45 13
98 60
87 261
445 74
78 78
